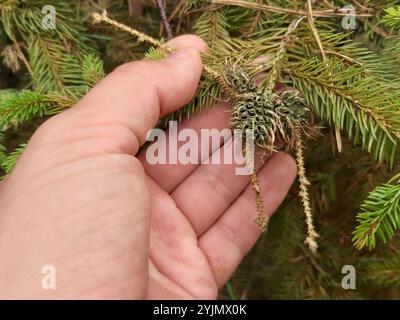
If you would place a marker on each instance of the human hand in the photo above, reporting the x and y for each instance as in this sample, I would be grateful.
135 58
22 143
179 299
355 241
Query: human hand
111 224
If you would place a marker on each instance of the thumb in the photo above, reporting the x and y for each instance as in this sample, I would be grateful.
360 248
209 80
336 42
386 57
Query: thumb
136 94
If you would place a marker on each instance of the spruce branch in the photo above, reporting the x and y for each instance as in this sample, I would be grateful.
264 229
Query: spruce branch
9 161
255 21
280 57
322 51
92 69
379 216
323 13
386 272
392 17
155 54
361 106
313 28
53 69
212 27
22 19
18 107
22 57
11 58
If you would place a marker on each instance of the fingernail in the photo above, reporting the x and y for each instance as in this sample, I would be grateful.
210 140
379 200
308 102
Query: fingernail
180 54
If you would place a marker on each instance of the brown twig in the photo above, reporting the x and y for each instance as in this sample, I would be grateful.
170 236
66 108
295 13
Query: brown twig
261 219
97 18
341 55
322 13
23 58
176 10
327 3
313 28
164 19
304 194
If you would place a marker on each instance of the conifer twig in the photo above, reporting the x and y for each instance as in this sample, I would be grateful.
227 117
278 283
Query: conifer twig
274 74
97 18
321 49
261 219
313 28
164 19
264 7
304 194
176 10
23 58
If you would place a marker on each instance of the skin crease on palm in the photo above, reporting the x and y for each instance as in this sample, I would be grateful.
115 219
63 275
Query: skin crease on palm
113 226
